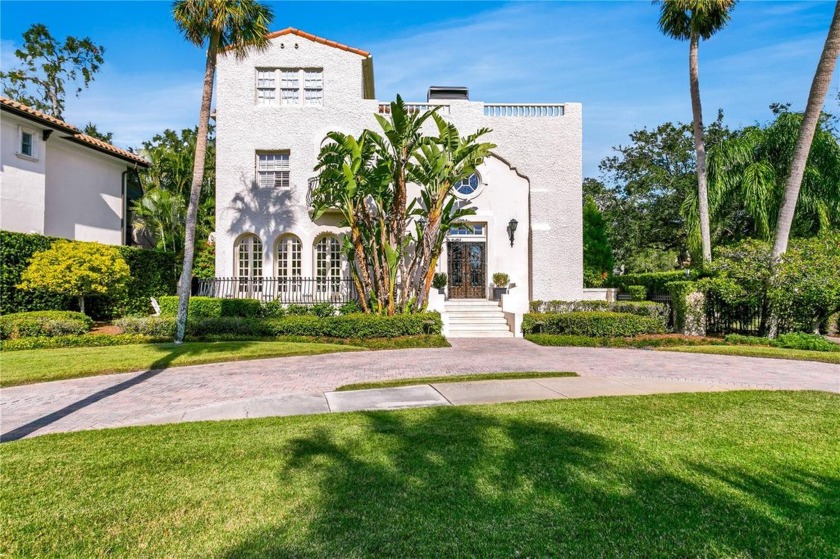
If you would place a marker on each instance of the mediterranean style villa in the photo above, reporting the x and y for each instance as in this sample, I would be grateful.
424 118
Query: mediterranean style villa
57 181
274 109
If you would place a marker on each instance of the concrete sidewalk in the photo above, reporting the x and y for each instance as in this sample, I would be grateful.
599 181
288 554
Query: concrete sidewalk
438 394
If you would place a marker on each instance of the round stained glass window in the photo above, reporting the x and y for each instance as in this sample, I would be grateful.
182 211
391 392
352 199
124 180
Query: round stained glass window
467 186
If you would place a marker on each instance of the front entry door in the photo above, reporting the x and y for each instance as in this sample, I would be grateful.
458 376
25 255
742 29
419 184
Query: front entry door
467 270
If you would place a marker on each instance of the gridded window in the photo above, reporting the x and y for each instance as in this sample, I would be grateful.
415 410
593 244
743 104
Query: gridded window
468 185
26 144
249 265
464 229
267 87
313 83
273 170
290 87
289 263
328 265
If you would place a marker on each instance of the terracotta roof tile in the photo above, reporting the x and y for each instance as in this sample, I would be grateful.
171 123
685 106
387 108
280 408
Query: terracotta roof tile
311 37
75 134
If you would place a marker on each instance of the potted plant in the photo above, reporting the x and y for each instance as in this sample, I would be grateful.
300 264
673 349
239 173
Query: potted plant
500 285
439 283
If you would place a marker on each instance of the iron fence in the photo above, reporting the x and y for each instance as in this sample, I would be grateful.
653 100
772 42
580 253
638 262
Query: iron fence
293 291
747 318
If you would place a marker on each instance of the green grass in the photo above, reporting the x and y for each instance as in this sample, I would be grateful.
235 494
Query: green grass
733 474
455 378
39 365
760 351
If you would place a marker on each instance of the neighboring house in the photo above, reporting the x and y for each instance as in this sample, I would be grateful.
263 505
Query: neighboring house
273 111
57 181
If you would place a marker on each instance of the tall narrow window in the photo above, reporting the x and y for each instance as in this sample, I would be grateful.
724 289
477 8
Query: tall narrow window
273 170
290 87
26 144
313 84
267 87
249 265
289 263
328 265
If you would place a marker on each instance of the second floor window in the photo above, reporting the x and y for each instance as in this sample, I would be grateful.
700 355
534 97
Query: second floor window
290 86
273 170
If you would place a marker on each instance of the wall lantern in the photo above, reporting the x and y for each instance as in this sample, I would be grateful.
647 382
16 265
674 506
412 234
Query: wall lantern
511 229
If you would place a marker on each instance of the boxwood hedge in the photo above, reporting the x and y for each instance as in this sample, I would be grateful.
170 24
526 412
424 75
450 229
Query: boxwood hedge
591 323
211 307
43 323
344 326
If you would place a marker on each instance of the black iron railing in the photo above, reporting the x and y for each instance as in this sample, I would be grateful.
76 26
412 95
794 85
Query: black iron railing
741 318
299 291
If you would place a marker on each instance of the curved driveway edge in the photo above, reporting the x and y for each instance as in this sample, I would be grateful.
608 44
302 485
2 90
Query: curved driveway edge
148 396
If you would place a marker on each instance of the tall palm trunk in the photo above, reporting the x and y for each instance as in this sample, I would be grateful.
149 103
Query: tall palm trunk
700 147
185 282
816 98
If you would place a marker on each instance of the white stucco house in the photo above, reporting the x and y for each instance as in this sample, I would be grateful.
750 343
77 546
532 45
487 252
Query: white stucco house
273 111
57 181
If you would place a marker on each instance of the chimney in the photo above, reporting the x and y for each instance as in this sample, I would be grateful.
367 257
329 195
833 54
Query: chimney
442 92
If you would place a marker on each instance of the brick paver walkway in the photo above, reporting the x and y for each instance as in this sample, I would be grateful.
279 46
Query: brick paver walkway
134 398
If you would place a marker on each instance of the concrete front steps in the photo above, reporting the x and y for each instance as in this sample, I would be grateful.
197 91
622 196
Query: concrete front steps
475 318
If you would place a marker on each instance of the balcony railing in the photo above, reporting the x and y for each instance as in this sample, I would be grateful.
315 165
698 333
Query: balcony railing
293 291
516 109
385 108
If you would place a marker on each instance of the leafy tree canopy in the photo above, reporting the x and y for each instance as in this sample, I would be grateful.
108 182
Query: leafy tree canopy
46 67
597 254
77 269
93 131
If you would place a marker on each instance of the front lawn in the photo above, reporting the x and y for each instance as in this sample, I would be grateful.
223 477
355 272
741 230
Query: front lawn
452 378
760 351
732 474
39 365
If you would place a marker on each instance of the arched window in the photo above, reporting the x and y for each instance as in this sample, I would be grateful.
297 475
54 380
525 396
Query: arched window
289 263
328 265
468 186
249 265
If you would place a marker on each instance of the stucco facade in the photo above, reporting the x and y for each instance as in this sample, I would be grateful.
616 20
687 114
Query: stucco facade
67 185
533 177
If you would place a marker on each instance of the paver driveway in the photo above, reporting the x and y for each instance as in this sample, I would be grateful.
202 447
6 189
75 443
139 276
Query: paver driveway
152 396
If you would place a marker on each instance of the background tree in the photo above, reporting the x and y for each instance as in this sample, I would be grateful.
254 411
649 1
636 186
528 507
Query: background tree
92 131
227 27
597 253
47 65
78 270
693 20
747 175
810 120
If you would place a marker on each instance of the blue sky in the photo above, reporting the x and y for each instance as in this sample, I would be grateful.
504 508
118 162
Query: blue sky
607 55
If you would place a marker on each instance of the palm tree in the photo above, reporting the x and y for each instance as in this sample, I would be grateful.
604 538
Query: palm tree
693 20
228 26
813 110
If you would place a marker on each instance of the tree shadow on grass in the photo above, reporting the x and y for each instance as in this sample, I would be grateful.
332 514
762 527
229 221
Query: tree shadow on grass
448 482
159 365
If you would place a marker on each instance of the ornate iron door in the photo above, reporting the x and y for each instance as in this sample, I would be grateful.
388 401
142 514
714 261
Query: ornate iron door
467 270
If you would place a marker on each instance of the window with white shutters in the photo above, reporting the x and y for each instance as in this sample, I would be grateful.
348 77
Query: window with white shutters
273 170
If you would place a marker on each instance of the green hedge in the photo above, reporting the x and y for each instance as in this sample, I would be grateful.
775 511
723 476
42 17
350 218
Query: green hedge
211 307
591 323
794 340
346 326
153 274
654 281
637 292
651 309
43 323
87 340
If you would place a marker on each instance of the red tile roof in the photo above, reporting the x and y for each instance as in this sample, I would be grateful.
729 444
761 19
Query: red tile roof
311 37
76 135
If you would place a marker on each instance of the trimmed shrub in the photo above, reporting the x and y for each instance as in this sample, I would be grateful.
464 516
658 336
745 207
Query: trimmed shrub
153 273
154 326
654 281
641 342
439 280
351 307
43 323
650 309
89 340
273 309
568 306
591 323
347 326
322 309
211 307
297 310
659 311
811 342
637 292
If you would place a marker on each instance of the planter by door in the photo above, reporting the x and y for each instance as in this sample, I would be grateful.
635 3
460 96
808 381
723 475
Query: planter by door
467 270
498 292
